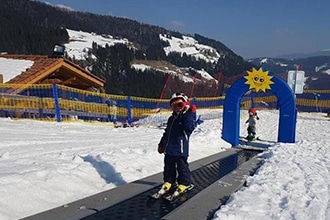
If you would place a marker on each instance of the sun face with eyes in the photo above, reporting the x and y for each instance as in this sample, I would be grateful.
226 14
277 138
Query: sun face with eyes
258 80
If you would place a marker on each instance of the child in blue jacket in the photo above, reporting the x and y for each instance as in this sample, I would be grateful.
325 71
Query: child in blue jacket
175 143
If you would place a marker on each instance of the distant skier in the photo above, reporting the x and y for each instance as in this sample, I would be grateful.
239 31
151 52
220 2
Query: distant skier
253 117
112 117
175 144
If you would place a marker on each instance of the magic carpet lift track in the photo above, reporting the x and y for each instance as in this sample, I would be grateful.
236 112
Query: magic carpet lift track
130 201
139 207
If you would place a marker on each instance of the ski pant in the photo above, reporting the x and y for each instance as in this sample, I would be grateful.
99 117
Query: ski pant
251 131
174 165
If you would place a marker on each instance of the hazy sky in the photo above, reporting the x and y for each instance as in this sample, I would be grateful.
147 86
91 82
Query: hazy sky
251 28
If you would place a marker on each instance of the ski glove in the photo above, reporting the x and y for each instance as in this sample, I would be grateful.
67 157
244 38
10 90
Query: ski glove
193 108
160 149
189 107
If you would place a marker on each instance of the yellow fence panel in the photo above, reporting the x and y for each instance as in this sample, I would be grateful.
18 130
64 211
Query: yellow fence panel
45 101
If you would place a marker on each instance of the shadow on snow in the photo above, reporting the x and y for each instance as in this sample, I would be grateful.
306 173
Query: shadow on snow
105 170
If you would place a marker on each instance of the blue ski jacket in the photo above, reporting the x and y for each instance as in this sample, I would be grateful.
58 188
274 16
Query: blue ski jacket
175 139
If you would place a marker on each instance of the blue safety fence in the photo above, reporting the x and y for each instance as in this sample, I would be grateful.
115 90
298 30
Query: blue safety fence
61 103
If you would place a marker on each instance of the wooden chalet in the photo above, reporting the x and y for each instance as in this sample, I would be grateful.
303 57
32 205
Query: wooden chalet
49 70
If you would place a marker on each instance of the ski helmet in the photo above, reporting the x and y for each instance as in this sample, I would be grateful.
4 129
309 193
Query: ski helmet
178 96
252 110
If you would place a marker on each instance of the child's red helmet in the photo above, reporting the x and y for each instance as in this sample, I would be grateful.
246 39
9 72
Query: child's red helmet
252 110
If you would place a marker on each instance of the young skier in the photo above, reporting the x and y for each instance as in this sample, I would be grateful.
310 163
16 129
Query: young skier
253 117
175 144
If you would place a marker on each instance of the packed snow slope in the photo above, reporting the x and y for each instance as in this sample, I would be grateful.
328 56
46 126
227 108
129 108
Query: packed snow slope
44 165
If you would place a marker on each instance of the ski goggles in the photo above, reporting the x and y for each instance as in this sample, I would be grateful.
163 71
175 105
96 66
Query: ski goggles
178 106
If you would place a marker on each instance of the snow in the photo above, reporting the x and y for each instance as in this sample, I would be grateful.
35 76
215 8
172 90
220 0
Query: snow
181 76
191 47
44 165
205 75
318 68
141 67
80 43
323 69
10 68
282 64
264 60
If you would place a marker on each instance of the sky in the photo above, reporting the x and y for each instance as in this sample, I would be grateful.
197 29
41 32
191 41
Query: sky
44 165
250 28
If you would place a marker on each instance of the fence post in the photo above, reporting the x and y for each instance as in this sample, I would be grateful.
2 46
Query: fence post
129 114
194 102
57 104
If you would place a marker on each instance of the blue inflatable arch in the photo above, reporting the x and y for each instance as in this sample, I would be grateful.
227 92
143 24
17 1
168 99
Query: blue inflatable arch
286 104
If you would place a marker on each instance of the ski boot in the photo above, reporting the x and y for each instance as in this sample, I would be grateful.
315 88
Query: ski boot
180 191
165 188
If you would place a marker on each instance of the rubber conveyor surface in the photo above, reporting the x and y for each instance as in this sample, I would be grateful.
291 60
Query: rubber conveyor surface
130 201
140 207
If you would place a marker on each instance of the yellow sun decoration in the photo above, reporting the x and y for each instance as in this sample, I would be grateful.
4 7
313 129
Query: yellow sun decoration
258 80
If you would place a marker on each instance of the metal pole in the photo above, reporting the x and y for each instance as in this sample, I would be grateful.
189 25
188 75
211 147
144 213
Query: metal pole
294 84
163 90
129 110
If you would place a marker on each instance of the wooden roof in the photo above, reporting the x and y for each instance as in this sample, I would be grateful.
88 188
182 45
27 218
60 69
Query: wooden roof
48 70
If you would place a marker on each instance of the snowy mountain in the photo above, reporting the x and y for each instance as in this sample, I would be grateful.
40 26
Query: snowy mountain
79 47
317 69
324 52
